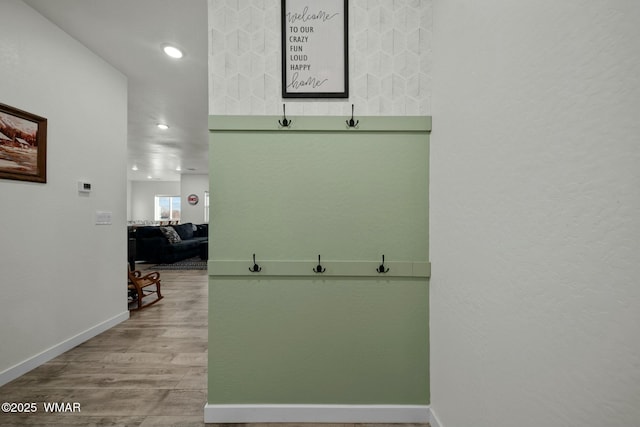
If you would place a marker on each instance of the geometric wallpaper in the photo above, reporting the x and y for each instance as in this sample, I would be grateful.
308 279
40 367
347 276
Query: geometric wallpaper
390 60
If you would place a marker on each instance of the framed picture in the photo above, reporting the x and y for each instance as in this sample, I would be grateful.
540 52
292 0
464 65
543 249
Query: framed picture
315 49
23 145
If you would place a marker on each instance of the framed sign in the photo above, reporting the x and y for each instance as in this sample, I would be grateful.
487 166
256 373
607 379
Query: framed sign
315 49
23 145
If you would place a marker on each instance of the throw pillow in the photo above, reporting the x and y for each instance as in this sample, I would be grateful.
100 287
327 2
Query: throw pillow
170 234
184 231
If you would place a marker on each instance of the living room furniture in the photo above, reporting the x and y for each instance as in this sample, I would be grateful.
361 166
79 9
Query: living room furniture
142 286
171 243
204 250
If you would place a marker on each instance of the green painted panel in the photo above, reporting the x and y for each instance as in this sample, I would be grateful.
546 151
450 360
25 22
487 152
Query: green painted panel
318 341
291 194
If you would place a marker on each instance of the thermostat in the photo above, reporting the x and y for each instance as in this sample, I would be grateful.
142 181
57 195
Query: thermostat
84 187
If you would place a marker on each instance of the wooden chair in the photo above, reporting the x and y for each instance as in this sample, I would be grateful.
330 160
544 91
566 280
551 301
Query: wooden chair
139 284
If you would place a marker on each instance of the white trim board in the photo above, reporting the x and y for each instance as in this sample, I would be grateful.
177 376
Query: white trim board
316 413
27 365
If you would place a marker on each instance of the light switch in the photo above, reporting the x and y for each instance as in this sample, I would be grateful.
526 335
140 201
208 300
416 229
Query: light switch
103 218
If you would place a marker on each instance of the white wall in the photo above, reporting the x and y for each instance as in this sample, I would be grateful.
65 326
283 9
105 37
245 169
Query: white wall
143 197
535 202
61 275
129 200
389 59
193 184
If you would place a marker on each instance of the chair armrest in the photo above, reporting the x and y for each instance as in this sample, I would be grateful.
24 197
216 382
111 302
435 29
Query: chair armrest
154 275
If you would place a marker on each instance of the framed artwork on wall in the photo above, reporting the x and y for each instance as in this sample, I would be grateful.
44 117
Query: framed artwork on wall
23 145
315 49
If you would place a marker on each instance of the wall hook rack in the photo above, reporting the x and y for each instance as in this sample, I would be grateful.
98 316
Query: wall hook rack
352 123
284 122
319 268
256 268
382 268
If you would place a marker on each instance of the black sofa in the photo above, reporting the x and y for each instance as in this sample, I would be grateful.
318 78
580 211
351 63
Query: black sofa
160 244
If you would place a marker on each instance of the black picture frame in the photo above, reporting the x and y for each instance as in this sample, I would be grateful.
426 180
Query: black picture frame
23 145
314 65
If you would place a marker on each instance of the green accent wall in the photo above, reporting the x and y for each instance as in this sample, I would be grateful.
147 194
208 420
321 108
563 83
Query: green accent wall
318 341
353 336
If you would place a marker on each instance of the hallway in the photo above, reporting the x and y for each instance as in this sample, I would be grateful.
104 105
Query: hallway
147 371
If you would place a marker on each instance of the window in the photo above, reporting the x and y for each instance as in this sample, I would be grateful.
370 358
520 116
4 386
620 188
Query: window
206 207
167 208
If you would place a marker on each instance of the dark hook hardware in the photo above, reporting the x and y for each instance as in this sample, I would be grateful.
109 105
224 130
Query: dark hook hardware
352 123
382 268
319 268
256 268
284 122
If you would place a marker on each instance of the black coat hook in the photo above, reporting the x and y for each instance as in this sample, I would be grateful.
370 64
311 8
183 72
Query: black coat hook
319 268
284 122
256 268
352 123
382 268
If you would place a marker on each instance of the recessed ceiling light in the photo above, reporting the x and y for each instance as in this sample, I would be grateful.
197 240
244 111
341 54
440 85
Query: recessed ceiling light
149 177
134 168
163 126
178 169
172 51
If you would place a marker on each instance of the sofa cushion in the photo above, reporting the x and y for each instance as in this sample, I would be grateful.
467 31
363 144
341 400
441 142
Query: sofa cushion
185 231
170 234
202 230
148 231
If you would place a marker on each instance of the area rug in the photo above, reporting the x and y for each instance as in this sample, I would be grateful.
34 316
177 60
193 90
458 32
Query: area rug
186 264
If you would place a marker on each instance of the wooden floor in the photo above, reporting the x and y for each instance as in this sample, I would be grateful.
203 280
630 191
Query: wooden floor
148 371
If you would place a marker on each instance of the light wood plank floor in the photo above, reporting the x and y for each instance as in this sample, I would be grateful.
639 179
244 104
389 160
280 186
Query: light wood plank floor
148 371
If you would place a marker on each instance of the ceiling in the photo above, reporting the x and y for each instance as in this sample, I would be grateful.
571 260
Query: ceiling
129 35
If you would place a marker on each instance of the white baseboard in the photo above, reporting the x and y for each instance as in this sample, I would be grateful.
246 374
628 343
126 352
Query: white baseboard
434 421
316 413
25 366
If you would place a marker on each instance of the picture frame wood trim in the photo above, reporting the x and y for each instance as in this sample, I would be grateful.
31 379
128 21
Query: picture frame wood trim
39 172
344 74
